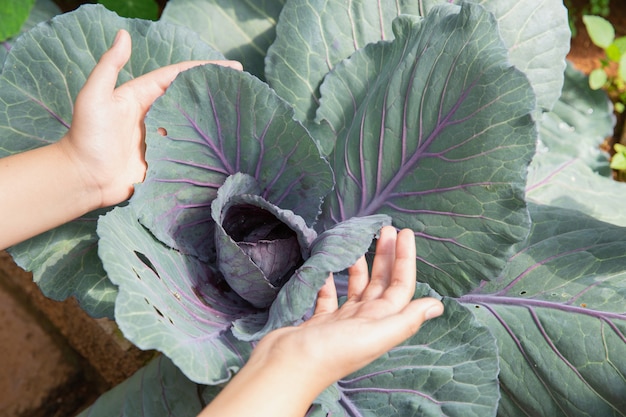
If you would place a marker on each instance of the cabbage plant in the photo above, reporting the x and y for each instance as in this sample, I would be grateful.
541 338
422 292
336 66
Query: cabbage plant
444 118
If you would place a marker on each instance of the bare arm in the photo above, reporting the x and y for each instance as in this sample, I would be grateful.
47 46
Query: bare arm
99 159
293 365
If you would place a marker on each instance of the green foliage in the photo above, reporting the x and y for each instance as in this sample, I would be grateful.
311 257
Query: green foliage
619 161
602 34
13 14
595 7
142 9
598 7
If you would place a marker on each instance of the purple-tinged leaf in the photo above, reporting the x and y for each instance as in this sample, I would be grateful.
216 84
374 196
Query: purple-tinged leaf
570 169
312 36
334 250
172 302
44 71
558 311
157 390
449 368
218 122
241 29
255 262
434 129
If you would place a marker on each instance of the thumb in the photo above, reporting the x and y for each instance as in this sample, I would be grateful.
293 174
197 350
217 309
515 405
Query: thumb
103 77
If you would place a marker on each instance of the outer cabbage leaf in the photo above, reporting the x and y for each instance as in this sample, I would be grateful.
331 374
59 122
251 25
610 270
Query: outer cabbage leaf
570 170
182 306
438 137
171 302
43 73
157 390
218 122
312 37
241 29
558 313
537 35
450 367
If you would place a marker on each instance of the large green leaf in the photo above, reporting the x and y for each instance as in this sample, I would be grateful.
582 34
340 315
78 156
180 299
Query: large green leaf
143 9
557 311
569 169
13 14
449 368
434 130
41 11
241 29
537 35
43 73
172 302
312 37
157 390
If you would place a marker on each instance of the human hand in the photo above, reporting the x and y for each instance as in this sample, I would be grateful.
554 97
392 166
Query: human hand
293 365
106 139
379 313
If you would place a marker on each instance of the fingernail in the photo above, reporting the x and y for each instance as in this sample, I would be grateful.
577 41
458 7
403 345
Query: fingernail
435 311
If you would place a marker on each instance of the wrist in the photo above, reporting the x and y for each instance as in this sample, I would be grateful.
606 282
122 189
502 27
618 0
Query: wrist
78 176
273 382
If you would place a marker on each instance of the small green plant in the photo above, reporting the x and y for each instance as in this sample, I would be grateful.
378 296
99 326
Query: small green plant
618 161
595 7
12 16
602 34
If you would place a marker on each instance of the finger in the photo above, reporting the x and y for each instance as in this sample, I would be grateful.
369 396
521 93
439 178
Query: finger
103 77
396 328
236 65
421 310
403 277
358 278
148 87
383 263
327 297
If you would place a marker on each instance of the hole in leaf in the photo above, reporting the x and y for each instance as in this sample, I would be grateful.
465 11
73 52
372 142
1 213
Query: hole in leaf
158 311
162 131
147 263
522 292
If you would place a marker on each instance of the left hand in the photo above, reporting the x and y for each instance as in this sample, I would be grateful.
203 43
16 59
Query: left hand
106 139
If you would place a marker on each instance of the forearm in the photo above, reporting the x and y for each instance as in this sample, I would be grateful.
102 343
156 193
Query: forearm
39 190
266 389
